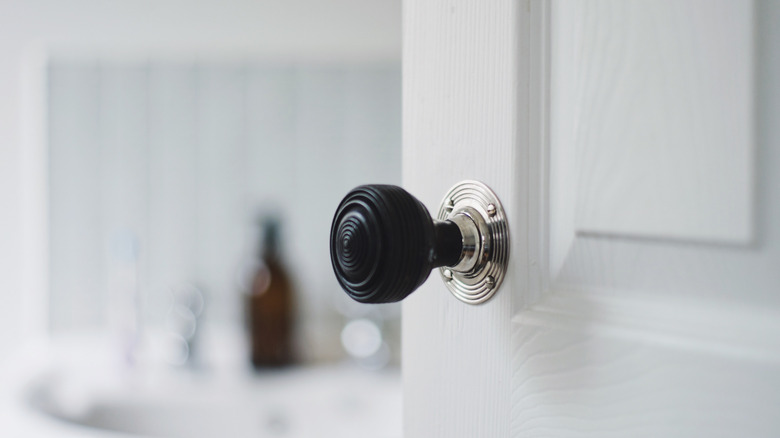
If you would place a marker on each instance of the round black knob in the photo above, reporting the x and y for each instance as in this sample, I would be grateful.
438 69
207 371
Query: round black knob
383 243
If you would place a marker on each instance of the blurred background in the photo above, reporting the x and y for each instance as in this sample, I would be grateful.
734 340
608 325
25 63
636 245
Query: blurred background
166 169
163 164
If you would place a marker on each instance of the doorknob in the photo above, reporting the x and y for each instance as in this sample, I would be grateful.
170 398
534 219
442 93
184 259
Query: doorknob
384 243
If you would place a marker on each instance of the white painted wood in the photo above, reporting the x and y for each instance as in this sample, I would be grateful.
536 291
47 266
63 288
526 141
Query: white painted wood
707 265
583 379
466 81
656 131
671 333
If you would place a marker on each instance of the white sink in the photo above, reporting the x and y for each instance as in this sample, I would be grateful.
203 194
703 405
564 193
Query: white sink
329 402
335 401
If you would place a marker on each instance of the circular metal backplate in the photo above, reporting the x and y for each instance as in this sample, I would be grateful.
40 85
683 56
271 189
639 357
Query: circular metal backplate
479 284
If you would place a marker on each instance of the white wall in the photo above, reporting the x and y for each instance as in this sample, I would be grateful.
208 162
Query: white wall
289 29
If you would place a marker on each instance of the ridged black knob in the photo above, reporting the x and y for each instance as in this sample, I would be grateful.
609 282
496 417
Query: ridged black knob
383 243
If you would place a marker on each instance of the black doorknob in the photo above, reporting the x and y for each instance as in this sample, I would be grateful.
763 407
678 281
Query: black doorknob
384 244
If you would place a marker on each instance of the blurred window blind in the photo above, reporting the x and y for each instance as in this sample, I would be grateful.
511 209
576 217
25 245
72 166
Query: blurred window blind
158 171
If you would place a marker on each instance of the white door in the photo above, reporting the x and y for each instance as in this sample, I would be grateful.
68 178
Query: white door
636 148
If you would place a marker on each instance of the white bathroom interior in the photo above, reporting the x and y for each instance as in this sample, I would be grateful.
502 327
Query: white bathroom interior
142 146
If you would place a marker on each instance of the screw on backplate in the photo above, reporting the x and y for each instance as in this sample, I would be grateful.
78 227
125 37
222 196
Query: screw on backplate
491 210
490 281
448 274
450 205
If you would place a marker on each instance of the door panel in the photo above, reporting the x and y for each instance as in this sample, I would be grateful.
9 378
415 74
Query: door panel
576 382
634 145
652 118
652 128
660 317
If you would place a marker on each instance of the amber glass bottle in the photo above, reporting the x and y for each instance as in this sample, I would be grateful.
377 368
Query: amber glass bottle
271 304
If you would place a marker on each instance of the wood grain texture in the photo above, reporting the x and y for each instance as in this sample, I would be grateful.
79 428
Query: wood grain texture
580 384
653 116
467 85
601 365
709 269
617 336
653 336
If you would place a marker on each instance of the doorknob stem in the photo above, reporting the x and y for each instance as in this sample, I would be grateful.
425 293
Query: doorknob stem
448 247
